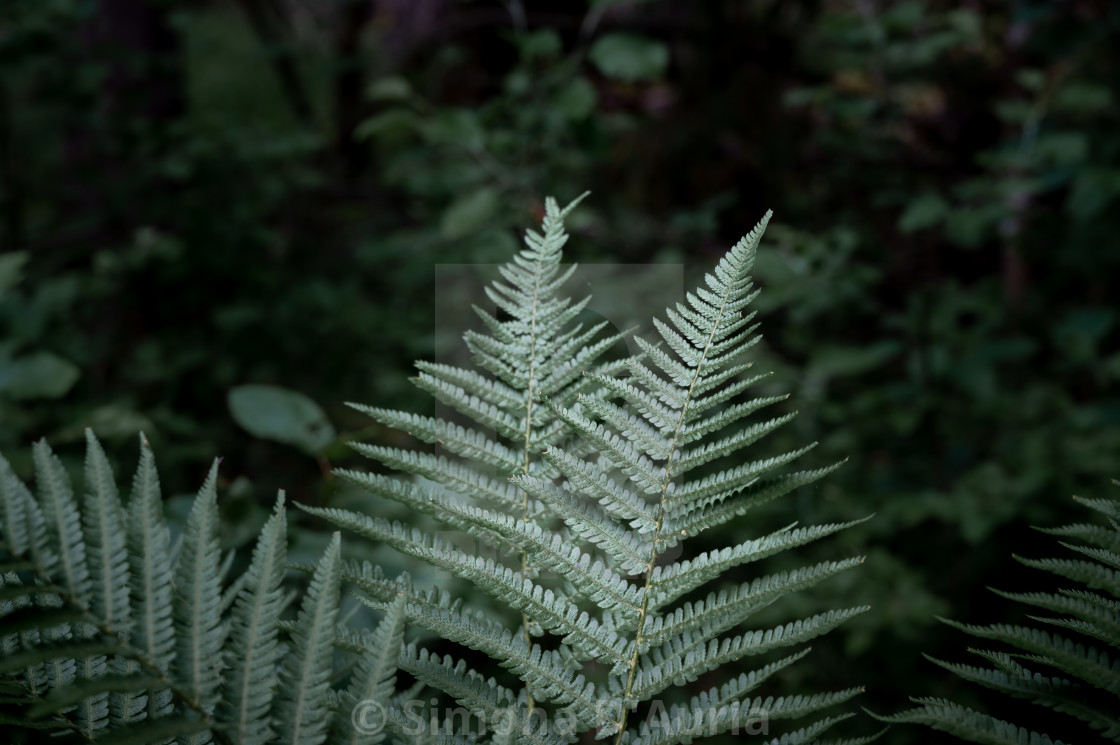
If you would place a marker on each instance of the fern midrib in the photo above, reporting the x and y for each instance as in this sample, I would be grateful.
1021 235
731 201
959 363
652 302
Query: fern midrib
661 511
529 400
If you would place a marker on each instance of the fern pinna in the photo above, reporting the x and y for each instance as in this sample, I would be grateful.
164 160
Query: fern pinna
1076 663
622 625
108 632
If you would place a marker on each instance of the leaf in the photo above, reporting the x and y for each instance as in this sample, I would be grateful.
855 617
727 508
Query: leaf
11 270
37 375
629 58
576 99
926 211
282 415
389 88
469 213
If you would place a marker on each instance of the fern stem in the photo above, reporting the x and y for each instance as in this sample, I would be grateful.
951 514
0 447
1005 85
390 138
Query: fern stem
525 620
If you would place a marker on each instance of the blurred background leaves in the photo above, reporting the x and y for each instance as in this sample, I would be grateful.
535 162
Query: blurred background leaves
201 200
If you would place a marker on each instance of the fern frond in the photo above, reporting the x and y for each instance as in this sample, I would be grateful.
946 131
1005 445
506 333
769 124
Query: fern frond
587 479
968 724
670 582
253 648
375 675
628 548
1059 694
677 663
467 443
149 554
702 718
305 671
1086 663
481 695
548 673
726 609
593 578
551 611
722 507
1089 688
199 628
608 467
60 510
103 525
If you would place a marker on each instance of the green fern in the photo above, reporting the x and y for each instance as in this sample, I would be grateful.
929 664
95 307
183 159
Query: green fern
590 472
607 622
1078 676
108 633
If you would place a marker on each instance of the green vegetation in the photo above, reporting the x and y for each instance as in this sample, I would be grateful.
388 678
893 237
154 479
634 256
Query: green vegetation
219 221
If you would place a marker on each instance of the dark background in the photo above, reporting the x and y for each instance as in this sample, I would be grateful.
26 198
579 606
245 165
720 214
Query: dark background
200 195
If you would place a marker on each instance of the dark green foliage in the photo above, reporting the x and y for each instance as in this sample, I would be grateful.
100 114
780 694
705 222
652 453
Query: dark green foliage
1071 665
197 200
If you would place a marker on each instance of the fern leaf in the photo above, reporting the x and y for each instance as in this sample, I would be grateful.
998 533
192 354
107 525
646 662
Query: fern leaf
745 683
968 724
552 679
471 383
725 446
1087 663
591 481
460 478
107 555
459 440
60 510
149 554
481 695
1095 534
550 611
375 675
103 524
718 508
725 609
248 688
197 607
669 667
700 718
593 578
627 548
1086 572
670 582
1056 693
305 672
728 481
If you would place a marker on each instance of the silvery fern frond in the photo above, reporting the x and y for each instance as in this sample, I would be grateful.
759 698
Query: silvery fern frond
679 412
589 474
